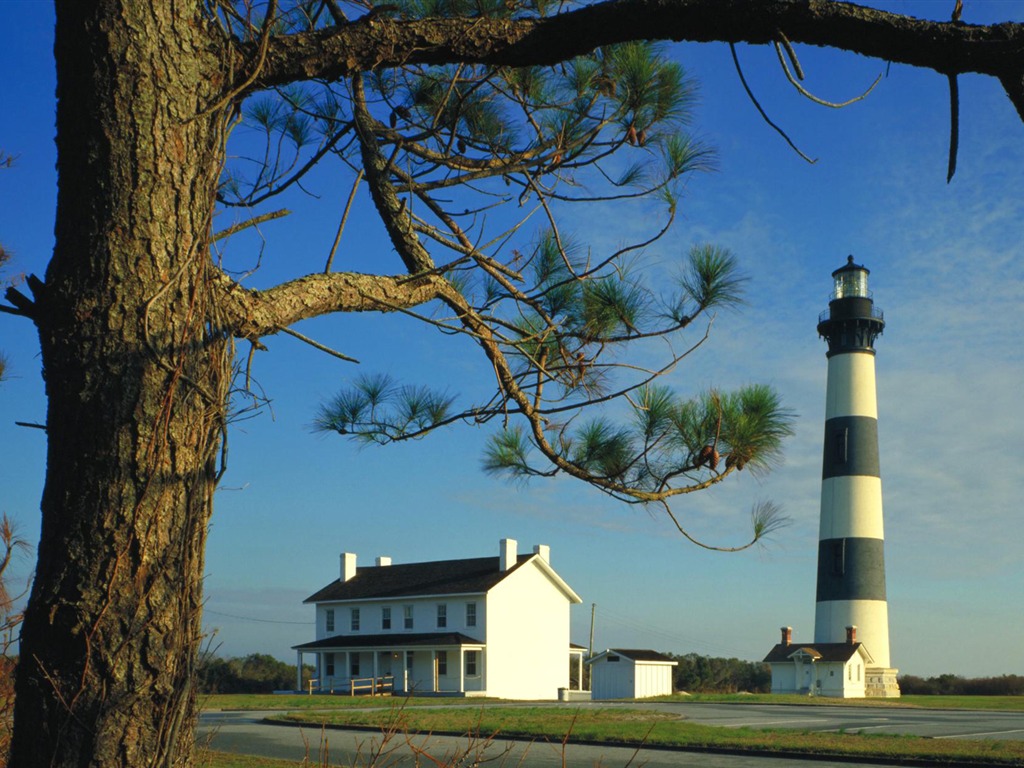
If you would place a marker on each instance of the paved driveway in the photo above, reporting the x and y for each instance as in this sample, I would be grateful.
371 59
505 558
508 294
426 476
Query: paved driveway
936 723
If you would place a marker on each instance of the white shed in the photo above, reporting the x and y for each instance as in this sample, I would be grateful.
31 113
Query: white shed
629 673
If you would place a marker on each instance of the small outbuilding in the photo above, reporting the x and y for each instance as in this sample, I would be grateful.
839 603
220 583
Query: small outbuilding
630 673
840 670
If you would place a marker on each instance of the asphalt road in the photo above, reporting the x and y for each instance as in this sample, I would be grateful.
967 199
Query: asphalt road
242 732
935 723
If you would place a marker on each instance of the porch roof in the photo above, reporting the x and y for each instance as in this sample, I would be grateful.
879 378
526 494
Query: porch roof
390 641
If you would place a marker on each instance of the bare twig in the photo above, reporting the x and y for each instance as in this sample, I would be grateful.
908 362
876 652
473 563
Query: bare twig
318 345
760 109
804 92
954 126
255 221
344 218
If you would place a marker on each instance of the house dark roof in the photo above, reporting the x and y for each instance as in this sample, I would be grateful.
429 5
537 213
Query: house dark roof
443 577
819 651
389 640
637 654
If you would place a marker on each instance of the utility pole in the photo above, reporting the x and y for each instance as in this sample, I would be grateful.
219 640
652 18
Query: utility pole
590 647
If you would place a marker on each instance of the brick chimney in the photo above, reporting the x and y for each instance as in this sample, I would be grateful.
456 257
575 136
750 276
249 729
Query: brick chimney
508 554
383 560
851 634
787 635
348 566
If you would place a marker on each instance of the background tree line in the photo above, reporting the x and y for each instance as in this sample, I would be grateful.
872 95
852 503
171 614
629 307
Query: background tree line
955 685
709 674
255 673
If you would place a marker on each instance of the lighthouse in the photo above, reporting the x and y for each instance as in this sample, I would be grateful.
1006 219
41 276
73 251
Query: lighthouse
849 657
851 562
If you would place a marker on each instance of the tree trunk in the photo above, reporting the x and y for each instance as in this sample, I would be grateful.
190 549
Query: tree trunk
137 378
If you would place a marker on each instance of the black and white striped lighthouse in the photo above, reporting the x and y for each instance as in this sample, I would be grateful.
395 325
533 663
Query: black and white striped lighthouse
851 563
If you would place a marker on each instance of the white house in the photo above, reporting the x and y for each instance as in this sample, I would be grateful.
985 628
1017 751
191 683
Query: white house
494 626
820 669
624 673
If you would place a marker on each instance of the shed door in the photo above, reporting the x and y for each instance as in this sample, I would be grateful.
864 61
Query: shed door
613 680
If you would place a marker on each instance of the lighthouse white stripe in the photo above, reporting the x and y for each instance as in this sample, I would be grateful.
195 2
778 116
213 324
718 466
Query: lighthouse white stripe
851 386
871 617
851 507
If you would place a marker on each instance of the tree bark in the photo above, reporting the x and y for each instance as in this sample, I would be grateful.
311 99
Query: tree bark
137 384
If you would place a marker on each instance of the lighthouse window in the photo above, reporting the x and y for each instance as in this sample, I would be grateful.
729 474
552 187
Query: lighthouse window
842 439
839 557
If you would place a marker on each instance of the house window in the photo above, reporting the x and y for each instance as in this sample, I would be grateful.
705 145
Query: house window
442 616
410 656
407 616
849 672
470 614
330 619
858 673
329 664
442 663
471 663
353 664
385 617
355 619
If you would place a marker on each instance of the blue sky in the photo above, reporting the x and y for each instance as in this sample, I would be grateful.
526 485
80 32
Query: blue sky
945 269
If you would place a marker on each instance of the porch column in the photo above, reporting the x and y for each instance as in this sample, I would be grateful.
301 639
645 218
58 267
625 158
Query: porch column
298 671
433 659
579 670
462 669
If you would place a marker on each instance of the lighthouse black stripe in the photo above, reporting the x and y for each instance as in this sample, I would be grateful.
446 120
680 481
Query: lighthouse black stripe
851 447
851 569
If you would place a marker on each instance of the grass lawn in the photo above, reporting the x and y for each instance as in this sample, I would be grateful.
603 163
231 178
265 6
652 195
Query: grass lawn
635 727
1008 703
300 702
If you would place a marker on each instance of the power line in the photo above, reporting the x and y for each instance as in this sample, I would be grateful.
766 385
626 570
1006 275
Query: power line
259 621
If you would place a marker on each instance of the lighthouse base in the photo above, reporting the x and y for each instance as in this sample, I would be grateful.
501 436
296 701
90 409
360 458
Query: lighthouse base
880 683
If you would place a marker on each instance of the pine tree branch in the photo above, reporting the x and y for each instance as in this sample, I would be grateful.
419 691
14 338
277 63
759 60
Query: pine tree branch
375 42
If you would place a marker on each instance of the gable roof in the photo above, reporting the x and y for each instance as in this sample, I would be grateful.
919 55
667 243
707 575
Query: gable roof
442 577
817 651
635 654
